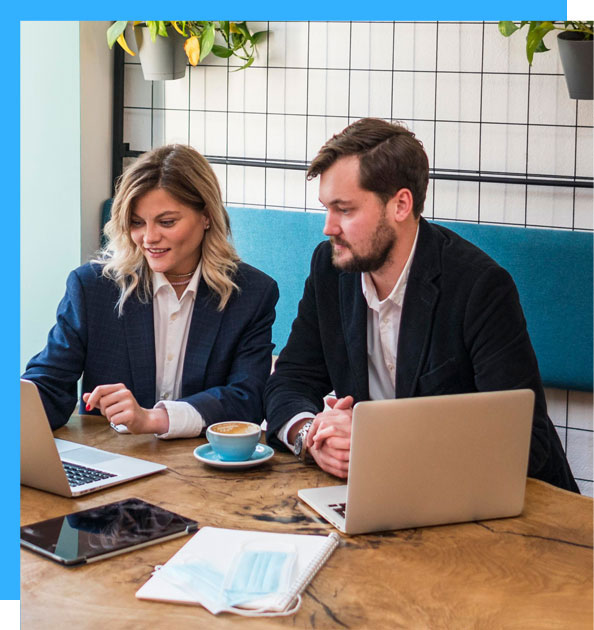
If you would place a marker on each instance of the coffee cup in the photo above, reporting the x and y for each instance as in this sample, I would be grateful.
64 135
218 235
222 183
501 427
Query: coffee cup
234 440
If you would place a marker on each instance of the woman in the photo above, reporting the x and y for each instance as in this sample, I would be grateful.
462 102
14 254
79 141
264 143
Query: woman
170 331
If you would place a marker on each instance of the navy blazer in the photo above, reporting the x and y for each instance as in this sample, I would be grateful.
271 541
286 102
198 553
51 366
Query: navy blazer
462 330
228 354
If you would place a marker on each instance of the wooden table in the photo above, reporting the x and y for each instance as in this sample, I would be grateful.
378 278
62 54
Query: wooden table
534 571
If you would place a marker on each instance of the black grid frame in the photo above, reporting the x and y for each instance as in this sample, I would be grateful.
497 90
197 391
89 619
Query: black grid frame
572 183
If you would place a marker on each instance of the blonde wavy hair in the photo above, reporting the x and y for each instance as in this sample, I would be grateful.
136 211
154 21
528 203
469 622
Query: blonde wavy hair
186 175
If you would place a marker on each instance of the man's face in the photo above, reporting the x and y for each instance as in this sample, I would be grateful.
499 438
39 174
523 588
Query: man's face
356 222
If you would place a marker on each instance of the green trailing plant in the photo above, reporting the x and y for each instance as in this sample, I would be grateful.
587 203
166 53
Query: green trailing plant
537 31
200 36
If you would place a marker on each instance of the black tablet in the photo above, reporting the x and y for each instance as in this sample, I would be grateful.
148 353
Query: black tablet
104 531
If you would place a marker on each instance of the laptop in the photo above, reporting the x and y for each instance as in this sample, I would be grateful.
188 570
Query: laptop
67 468
431 461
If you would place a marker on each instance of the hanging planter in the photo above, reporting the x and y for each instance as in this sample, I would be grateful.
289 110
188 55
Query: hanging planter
575 49
163 59
166 47
576 58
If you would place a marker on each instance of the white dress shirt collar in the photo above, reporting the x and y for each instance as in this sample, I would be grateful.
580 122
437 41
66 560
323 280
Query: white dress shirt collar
160 281
397 293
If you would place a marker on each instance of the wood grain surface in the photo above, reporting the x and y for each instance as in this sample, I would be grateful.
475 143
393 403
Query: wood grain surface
533 571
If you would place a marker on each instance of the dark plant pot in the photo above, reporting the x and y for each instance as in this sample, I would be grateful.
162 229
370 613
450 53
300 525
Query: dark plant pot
163 59
576 59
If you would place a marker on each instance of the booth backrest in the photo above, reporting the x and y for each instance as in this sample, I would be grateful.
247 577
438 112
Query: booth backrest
553 270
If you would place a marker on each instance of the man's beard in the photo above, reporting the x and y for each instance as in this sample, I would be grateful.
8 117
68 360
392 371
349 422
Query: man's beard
382 243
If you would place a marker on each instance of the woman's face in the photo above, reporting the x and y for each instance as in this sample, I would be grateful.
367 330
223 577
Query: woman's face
168 233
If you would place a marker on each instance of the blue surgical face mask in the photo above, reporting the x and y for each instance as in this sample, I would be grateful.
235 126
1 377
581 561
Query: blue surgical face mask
256 573
259 572
199 581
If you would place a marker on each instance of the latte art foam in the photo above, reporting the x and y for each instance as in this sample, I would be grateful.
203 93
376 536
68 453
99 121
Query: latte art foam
233 428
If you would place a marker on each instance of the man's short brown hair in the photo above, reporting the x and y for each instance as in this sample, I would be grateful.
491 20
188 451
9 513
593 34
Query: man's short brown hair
390 158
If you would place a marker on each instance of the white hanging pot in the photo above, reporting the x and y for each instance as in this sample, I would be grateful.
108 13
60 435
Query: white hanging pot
165 58
576 58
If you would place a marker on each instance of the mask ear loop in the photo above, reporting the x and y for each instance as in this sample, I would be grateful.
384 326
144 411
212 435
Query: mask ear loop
263 612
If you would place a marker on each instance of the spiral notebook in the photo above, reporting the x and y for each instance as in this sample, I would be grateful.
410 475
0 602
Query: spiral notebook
219 547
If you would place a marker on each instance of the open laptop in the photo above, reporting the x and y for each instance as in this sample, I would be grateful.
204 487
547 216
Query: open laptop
63 467
431 461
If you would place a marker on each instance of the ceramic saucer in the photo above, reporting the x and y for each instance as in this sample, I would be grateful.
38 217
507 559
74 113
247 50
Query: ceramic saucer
205 454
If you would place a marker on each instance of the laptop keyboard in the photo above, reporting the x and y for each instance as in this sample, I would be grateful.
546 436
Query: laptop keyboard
79 475
339 508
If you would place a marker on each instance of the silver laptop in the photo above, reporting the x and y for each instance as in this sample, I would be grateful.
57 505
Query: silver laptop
63 467
431 461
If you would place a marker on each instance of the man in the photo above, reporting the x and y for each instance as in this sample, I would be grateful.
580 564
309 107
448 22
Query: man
396 307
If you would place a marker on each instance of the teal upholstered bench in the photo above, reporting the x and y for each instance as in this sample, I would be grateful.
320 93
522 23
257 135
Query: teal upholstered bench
552 270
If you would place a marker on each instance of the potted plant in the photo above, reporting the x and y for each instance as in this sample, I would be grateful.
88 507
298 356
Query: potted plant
576 45
161 45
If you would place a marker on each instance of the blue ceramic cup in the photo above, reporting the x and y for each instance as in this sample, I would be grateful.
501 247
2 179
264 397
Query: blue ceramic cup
233 441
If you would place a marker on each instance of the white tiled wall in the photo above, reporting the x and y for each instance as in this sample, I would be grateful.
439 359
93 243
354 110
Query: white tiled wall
467 92
571 412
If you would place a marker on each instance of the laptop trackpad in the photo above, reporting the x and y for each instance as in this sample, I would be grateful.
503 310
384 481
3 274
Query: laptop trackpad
88 456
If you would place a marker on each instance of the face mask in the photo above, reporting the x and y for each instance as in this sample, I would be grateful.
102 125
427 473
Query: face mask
197 580
259 572
256 573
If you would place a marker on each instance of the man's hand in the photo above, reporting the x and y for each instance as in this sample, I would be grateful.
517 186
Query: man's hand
118 405
329 438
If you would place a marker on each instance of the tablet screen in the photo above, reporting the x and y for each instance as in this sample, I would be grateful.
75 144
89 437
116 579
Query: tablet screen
104 530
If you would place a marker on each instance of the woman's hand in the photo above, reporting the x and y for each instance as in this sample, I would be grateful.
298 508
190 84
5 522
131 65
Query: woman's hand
117 403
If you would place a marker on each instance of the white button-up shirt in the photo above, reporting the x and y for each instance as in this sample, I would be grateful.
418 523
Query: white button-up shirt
172 317
383 329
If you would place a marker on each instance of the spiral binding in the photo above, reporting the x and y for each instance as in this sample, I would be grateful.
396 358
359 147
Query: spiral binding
310 571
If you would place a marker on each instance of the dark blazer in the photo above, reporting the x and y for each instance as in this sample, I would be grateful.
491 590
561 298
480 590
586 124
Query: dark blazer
228 354
462 330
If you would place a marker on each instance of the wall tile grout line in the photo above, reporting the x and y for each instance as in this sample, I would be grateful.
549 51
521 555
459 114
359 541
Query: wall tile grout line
226 132
392 72
306 115
575 157
189 104
412 119
266 120
527 147
349 73
480 154
433 195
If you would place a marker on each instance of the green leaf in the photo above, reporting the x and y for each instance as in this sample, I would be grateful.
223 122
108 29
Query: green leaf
221 51
246 65
207 40
238 39
534 39
259 36
242 28
507 28
114 31
162 29
224 26
153 29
